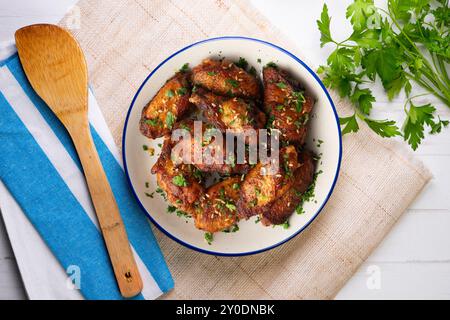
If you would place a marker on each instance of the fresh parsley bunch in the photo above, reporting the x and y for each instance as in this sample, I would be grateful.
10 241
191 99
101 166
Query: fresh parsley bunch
408 42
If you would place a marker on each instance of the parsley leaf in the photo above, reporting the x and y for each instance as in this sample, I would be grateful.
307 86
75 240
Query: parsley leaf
363 98
418 116
185 67
180 181
170 120
404 46
358 12
350 123
341 59
324 26
209 237
384 128
242 63
281 85
232 82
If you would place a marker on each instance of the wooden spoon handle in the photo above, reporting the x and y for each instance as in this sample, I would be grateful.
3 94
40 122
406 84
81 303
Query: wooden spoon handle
110 221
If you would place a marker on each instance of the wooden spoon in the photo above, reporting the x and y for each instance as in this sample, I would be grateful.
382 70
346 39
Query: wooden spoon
56 68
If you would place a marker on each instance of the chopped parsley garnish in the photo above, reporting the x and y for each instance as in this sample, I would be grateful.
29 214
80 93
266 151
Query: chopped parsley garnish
272 65
170 120
180 181
232 82
183 214
170 93
147 184
319 143
309 194
242 63
281 85
182 91
150 195
197 174
234 228
258 60
252 71
171 209
299 100
161 192
145 147
230 206
299 209
209 237
152 122
185 67
279 107
285 225
211 73
236 186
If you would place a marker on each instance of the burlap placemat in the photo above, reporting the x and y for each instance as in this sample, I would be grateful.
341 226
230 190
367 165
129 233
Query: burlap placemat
124 40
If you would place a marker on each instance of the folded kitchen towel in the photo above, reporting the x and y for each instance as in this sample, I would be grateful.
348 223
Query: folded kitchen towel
124 40
40 168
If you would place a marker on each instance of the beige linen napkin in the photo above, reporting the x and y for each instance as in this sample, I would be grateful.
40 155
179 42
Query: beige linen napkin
124 40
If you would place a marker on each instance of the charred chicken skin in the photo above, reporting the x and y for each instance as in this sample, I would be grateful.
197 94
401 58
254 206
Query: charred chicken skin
228 97
218 206
182 183
283 207
231 113
218 160
287 106
259 190
223 77
169 104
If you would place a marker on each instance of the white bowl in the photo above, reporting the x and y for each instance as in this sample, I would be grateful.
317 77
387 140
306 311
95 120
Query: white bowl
252 237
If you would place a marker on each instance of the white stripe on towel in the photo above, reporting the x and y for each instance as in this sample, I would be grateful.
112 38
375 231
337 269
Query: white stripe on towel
61 160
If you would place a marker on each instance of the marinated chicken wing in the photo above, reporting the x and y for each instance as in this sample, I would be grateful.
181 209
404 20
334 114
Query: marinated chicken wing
213 155
286 104
232 113
218 206
167 106
182 184
223 77
284 206
260 189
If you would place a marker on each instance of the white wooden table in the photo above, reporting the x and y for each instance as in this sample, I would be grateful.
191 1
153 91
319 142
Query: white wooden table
414 259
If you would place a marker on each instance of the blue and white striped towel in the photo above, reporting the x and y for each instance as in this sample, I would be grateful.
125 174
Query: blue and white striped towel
39 167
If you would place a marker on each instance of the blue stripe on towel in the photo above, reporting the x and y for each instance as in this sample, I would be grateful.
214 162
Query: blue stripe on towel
136 222
51 207
56 213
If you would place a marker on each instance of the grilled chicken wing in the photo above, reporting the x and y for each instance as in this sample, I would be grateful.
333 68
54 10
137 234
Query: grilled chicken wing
286 104
218 206
259 190
223 77
215 157
169 104
235 113
182 184
285 205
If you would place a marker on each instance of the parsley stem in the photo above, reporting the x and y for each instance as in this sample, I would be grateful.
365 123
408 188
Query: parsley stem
413 97
425 85
434 58
443 68
432 77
